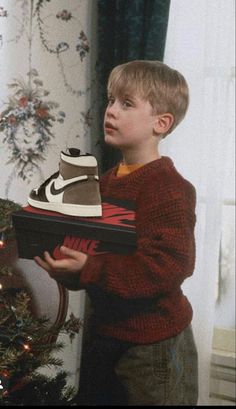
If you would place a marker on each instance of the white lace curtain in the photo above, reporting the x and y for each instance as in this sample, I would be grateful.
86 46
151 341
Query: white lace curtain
200 44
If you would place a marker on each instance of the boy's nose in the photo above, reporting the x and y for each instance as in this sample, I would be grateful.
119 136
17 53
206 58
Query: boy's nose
112 109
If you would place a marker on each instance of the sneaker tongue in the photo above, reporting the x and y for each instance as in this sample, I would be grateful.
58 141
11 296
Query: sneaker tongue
73 152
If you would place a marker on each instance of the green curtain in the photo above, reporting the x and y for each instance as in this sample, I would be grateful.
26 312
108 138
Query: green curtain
127 30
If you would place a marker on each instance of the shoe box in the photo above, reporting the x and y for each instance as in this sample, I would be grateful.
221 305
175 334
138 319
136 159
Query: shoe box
39 230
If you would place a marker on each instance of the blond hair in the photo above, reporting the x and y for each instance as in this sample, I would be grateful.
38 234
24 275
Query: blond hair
165 88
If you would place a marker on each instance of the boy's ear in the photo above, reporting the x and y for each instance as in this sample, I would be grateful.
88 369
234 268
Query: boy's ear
163 123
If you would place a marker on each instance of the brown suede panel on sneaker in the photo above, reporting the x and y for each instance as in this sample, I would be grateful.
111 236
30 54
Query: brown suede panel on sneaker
69 171
83 193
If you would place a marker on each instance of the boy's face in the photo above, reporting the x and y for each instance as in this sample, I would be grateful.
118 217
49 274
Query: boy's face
129 123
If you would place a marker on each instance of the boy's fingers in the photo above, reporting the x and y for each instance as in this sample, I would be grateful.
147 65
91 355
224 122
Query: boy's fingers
55 265
41 263
69 252
48 263
48 258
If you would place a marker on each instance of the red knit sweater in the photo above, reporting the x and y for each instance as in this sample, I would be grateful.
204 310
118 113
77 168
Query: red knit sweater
138 297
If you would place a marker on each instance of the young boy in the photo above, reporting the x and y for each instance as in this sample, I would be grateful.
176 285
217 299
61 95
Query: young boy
141 350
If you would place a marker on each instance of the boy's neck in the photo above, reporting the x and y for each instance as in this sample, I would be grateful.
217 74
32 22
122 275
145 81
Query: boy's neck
133 158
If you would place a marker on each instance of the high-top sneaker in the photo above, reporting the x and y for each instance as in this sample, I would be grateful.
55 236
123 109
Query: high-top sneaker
74 190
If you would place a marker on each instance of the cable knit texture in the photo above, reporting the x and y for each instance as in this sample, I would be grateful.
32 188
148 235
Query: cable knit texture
138 297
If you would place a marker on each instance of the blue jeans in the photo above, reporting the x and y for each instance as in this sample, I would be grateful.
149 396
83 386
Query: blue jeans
116 373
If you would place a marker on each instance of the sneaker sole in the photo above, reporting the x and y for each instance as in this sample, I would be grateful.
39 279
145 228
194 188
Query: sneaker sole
68 209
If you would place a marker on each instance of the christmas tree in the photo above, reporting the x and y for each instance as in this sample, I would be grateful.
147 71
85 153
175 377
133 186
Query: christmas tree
27 342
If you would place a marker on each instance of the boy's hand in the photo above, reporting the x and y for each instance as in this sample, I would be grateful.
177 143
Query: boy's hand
65 269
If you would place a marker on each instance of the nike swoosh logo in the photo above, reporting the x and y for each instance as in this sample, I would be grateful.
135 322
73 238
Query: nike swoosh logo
55 194
66 183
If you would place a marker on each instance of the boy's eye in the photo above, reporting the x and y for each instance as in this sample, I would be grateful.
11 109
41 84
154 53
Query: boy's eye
111 100
127 103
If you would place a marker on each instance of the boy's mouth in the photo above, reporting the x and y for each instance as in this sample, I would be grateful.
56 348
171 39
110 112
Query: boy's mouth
109 125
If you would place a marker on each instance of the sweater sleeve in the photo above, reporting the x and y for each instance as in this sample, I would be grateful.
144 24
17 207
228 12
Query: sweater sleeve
165 255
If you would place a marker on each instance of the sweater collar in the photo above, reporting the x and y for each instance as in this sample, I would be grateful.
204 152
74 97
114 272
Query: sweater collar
163 163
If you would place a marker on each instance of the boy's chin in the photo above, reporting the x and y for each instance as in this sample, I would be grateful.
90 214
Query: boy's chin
110 141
